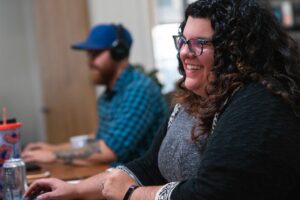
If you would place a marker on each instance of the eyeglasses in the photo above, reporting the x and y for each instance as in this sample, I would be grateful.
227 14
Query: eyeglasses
195 45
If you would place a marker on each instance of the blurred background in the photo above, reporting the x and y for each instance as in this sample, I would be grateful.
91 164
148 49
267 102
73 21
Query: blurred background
46 85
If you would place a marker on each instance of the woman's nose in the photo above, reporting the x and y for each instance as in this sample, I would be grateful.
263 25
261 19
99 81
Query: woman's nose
185 50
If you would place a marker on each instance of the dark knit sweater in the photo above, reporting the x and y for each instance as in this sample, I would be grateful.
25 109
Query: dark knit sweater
254 153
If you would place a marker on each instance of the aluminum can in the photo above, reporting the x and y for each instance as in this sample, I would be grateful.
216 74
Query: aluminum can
14 179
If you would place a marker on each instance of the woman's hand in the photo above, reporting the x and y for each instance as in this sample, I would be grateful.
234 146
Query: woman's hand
54 189
116 184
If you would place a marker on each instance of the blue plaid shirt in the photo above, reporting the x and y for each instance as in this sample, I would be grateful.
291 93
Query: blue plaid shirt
130 114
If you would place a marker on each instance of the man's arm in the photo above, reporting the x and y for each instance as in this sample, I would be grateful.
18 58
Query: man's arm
94 152
51 147
46 146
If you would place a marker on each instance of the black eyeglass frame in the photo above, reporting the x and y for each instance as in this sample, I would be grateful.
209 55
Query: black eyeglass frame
201 41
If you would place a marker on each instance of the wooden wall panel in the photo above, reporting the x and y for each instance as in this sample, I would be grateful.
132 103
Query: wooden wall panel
68 93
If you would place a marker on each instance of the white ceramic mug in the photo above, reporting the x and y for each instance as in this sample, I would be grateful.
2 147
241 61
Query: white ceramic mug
79 141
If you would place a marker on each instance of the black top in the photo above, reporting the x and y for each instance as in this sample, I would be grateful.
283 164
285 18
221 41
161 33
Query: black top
254 153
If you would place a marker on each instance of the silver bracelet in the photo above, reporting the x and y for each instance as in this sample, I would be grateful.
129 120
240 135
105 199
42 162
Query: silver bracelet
164 193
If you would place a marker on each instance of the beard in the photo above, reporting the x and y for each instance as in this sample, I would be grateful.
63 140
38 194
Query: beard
103 77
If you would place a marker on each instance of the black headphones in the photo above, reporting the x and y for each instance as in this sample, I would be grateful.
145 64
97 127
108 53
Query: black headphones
119 49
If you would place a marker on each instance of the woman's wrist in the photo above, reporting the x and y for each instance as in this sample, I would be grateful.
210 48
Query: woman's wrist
145 193
129 173
77 192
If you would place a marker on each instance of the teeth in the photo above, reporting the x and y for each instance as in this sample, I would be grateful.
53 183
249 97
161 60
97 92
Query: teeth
193 67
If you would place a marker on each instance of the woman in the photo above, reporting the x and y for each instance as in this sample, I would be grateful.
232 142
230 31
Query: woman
235 133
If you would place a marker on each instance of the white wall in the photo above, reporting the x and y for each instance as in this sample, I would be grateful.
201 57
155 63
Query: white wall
134 14
19 80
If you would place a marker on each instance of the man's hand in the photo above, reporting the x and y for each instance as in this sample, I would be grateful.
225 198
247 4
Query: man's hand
39 146
39 156
54 189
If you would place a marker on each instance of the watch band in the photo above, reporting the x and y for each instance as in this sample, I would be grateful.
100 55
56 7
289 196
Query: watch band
130 191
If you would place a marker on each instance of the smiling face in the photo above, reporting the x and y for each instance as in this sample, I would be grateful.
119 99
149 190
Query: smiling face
197 68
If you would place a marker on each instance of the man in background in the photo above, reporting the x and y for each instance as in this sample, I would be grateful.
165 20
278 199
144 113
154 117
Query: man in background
130 110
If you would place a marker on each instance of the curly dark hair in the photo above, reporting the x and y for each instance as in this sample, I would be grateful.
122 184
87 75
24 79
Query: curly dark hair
250 46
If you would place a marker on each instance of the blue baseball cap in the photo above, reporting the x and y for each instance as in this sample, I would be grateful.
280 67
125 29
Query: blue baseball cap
102 37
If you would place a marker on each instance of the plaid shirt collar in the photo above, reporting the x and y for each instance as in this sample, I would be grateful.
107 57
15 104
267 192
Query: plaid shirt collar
120 83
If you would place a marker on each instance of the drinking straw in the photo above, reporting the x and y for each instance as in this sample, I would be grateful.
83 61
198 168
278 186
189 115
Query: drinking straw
4 116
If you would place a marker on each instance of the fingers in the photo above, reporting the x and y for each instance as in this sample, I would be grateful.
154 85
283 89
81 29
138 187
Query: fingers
28 156
39 156
33 146
37 188
42 195
46 196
